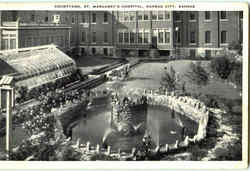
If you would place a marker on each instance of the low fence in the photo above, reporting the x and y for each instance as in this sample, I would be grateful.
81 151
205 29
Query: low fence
192 108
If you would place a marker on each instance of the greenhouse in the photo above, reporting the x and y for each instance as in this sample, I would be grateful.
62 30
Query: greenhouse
46 64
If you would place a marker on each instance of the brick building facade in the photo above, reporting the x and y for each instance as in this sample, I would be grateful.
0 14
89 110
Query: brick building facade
123 33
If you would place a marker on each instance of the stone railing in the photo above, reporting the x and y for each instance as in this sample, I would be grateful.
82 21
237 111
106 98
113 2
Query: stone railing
185 105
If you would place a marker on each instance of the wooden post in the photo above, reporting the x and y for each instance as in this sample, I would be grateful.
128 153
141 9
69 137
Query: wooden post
109 150
98 148
166 147
8 123
133 151
88 146
0 98
111 117
7 84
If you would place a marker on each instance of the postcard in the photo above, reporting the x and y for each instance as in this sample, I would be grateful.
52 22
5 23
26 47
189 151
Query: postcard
108 85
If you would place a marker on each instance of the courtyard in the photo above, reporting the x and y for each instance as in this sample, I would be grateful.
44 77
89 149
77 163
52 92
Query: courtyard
148 76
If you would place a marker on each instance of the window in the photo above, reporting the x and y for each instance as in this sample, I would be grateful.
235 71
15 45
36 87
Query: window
120 37
140 39
46 19
93 51
167 15
4 44
132 37
146 35
154 15
105 38
177 16
66 19
73 19
191 16
35 41
241 14
160 15
126 16
105 17
192 53
223 36
83 51
111 51
178 36
146 15
207 53
93 37
192 37
83 36
140 15
207 37
93 17
132 16
105 51
126 37
223 15
83 18
207 15
8 41
32 18
160 37
121 16
167 37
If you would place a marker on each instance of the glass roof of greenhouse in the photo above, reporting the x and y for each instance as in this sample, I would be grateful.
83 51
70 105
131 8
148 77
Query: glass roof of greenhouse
34 62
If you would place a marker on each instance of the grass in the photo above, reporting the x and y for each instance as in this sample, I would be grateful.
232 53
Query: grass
148 75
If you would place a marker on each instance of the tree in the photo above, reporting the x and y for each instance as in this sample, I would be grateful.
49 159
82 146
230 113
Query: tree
197 74
236 45
222 66
169 79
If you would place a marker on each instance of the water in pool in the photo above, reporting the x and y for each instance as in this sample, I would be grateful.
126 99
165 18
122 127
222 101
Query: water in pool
164 127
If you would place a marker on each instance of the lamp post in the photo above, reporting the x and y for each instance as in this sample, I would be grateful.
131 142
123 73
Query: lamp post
7 85
176 41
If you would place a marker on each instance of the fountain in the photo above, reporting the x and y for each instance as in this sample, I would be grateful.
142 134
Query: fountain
127 116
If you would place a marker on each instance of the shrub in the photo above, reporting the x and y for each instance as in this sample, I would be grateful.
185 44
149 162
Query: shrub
236 45
236 74
197 74
222 66
169 80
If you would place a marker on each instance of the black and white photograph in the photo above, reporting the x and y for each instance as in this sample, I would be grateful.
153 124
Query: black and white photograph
123 84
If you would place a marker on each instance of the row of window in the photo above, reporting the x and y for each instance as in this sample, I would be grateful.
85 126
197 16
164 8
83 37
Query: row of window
223 36
84 18
208 15
94 37
105 51
8 41
130 37
36 41
141 15
143 37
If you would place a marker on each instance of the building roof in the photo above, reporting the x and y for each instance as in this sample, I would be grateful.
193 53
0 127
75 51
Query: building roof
36 65
5 68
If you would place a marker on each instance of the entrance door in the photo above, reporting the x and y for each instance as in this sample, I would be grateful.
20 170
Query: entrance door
154 41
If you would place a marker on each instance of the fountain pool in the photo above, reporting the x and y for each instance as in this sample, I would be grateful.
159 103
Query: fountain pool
163 125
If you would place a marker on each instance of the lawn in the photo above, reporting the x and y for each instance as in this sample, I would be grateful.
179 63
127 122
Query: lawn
219 145
148 75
